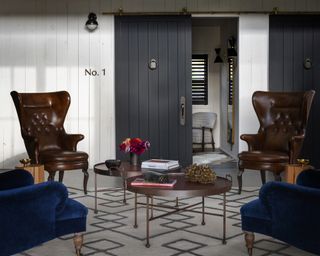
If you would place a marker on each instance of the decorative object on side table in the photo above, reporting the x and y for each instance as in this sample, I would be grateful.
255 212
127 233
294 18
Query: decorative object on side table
113 163
134 146
200 173
25 161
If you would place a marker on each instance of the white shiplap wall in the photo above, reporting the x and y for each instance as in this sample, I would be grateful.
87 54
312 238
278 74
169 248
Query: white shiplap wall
253 69
44 46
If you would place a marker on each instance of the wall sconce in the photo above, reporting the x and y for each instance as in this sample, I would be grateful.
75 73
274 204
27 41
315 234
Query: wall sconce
92 23
218 58
232 47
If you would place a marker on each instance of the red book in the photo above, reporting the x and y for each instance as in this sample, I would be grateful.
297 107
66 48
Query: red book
142 182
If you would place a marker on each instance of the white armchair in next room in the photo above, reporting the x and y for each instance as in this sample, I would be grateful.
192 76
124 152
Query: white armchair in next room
203 124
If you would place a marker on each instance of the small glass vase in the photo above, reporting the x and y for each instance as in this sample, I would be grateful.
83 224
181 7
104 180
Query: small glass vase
134 159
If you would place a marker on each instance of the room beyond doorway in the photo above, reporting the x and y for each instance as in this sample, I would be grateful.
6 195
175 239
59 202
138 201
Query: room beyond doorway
218 94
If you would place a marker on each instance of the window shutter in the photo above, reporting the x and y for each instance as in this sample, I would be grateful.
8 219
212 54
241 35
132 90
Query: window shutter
200 79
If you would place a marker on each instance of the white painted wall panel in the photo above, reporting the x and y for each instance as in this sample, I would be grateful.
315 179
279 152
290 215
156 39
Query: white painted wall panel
107 94
253 68
44 46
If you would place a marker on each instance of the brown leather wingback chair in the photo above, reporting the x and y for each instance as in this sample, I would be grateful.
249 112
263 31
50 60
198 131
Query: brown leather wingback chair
283 119
41 117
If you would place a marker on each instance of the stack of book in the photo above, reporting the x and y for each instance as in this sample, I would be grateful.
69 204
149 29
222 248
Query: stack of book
145 183
160 164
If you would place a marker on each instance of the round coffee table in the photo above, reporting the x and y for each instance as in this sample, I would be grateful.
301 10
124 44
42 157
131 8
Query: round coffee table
125 170
182 188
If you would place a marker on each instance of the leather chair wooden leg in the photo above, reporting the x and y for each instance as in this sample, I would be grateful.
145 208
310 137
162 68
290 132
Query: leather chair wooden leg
51 176
263 176
240 180
85 180
61 173
249 238
78 241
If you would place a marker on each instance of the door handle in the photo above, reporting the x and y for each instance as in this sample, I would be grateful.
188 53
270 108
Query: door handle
182 110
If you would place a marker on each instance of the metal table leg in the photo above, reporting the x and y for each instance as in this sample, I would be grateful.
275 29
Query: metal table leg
135 210
124 184
151 206
95 194
147 218
224 241
203 222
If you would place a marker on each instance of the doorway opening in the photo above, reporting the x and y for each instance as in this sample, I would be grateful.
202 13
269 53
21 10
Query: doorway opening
214 89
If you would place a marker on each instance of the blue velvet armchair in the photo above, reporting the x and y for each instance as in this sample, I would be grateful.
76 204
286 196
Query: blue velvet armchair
288 212
33 214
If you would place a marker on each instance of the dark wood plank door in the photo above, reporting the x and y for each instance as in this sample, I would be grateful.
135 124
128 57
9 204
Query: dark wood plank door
293 40
148 101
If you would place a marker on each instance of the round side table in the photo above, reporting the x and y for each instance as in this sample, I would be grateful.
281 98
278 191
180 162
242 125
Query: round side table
124 171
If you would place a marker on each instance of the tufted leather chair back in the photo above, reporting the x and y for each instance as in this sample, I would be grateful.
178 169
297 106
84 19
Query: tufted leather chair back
41 116
281 116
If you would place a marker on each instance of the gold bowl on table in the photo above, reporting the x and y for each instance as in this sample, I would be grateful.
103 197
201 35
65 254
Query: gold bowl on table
303 161
25 161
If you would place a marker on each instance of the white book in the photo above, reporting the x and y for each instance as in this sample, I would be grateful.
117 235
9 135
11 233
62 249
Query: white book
160 164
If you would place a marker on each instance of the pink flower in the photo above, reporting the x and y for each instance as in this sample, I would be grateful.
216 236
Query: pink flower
134 145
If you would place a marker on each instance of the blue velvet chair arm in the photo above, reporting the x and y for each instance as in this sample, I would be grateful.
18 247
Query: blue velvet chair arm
15 179
29 213
309 178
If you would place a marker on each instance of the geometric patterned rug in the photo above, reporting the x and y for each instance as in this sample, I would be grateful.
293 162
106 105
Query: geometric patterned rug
111 232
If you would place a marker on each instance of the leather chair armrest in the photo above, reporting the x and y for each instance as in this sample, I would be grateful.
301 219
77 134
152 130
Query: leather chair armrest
33 148
295 145
15 179
70 141
254 141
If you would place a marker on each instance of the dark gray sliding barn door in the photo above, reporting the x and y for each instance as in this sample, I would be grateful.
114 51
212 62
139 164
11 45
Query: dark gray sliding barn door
149 102
294 40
